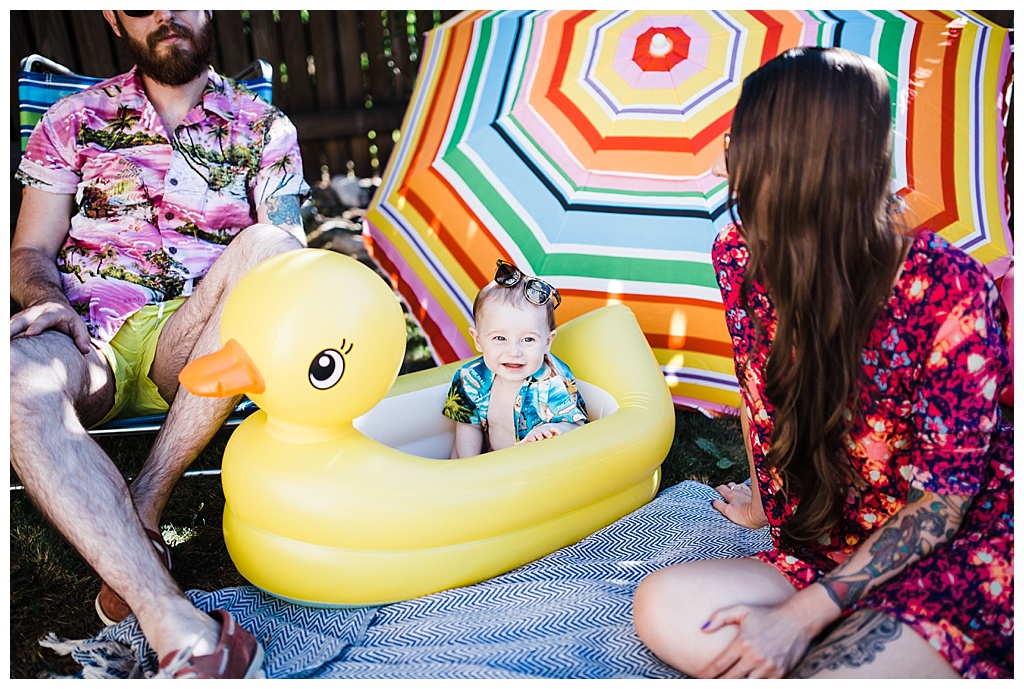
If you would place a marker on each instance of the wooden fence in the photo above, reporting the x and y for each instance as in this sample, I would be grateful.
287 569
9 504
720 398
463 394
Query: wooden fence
344 77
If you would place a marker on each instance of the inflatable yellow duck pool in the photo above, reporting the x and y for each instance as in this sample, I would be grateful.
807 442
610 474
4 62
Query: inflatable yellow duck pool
338 490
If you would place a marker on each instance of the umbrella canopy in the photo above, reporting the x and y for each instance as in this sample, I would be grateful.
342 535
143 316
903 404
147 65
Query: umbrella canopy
578 145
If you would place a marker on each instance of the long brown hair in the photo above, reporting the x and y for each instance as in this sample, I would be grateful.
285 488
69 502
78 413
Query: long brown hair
810 161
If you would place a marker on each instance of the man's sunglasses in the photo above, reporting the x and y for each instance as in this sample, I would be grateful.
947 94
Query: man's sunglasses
138 14
537 291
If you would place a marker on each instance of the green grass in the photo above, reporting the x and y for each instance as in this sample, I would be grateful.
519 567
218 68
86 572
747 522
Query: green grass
52 589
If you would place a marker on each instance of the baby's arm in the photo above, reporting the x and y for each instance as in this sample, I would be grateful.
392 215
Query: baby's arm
548 430
469 441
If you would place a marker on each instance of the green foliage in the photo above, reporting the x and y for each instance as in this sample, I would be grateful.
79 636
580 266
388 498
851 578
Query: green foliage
705 449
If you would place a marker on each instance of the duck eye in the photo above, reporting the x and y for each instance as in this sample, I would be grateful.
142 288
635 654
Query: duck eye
326 369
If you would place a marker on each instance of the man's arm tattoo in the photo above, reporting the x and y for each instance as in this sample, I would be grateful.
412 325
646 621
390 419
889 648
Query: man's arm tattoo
284 210
913 536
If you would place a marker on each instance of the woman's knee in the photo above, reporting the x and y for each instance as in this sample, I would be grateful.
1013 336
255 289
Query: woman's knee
672 605
669 608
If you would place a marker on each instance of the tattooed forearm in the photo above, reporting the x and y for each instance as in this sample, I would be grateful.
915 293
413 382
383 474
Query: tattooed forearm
926 522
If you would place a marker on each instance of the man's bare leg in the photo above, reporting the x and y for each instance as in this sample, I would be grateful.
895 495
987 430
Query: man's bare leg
56 392
194 330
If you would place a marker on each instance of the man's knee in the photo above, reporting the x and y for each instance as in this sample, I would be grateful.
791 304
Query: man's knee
251 246
261 241
35 365
48 368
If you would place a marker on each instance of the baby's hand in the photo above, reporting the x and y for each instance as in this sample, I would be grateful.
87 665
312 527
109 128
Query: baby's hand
542 432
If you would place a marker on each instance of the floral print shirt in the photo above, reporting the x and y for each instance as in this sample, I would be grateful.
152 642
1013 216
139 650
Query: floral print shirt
933 369
548 396
155 208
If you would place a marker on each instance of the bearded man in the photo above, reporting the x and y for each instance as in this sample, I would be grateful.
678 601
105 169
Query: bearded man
147 196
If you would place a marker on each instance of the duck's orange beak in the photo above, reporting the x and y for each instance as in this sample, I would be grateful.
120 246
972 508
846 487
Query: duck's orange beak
227 372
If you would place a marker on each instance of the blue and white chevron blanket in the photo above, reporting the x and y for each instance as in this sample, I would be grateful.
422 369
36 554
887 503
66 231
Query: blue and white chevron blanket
566 615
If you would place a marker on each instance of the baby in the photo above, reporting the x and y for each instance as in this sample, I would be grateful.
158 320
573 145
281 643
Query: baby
518 391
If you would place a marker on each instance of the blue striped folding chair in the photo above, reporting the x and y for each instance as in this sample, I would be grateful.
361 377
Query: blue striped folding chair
41 83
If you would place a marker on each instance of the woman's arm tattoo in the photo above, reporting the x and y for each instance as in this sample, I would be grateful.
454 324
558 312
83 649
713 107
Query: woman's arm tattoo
913 534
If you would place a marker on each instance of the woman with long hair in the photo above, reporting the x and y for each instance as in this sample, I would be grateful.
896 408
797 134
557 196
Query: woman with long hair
870 365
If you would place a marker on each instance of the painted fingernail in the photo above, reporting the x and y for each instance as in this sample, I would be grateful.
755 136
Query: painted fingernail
706 625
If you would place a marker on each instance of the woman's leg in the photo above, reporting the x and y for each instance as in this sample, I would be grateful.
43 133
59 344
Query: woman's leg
671 605
868 644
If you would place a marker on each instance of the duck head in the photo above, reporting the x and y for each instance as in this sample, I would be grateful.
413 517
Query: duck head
313 337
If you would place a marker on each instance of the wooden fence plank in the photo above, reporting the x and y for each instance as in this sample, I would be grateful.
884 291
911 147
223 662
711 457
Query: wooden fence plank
403 69
333 125
350 46
265 44
325 60
380 75
52 39
295 54
233 42
95 39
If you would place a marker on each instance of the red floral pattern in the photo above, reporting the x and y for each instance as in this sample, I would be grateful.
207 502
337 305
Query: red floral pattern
933 369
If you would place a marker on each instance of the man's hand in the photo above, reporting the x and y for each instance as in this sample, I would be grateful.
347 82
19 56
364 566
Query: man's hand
51 316
42 228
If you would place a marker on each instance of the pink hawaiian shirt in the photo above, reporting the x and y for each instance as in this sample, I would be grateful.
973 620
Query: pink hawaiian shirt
155 210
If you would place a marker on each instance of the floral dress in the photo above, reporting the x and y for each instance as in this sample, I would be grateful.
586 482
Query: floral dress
934 367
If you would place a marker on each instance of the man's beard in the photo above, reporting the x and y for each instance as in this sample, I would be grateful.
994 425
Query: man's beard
182 63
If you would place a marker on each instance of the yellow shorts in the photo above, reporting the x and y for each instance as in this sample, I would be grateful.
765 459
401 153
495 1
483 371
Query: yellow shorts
130 355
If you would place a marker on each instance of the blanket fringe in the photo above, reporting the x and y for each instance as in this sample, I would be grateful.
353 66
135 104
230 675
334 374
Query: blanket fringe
100 659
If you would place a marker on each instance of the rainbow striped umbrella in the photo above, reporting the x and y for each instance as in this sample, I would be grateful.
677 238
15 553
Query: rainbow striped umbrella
578 145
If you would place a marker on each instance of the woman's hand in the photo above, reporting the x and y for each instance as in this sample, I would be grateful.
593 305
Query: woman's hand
770 640
768 643
738 506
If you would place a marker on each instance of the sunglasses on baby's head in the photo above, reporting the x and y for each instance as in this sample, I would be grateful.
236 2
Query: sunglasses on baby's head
537 291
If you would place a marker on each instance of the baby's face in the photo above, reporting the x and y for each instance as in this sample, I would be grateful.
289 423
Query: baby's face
513 340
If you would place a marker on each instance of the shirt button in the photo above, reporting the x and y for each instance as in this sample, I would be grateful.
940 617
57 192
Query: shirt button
172 249
169 216
174 182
